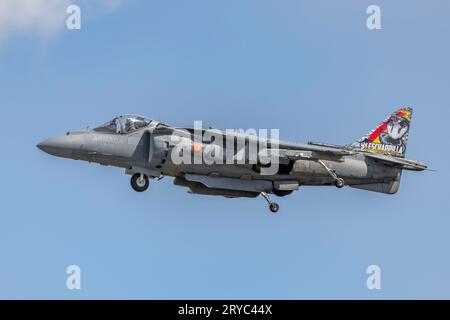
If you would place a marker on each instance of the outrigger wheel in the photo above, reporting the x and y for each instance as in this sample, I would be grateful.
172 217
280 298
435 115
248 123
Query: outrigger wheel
273 206
339 182
139 182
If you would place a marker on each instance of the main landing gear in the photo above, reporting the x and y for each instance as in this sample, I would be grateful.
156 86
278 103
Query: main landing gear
273 206
338 182
139 182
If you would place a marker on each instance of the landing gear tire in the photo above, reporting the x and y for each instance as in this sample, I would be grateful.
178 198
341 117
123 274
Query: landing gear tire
339 182
139 182
274 207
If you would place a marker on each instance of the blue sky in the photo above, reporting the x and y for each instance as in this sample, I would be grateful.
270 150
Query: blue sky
310 68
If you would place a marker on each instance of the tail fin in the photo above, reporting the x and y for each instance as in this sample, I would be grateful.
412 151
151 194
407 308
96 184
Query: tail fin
389 137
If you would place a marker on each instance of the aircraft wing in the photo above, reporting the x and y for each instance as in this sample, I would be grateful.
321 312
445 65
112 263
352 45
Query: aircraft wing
297 151
289 150
309 151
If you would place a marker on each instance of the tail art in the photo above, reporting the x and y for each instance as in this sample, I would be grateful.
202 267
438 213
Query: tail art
389 137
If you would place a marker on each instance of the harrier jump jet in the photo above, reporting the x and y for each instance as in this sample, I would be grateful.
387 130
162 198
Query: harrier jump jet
148 149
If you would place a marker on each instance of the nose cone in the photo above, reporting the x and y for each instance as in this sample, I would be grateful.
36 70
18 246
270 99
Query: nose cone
63 146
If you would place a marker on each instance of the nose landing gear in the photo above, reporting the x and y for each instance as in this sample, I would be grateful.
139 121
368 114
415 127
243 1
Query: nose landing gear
139 182
273 206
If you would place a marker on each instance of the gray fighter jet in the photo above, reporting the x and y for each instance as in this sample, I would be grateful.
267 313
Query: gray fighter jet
235 164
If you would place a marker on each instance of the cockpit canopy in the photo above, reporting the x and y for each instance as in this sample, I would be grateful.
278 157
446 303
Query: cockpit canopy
123 124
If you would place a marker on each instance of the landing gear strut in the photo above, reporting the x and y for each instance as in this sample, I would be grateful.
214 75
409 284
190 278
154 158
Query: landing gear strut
273 206
139 182
338 182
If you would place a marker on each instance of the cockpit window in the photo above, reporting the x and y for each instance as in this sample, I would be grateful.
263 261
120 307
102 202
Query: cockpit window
109 127
134 123
124 124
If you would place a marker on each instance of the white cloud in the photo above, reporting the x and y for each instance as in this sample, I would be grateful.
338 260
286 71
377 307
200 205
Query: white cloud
41 17
44 18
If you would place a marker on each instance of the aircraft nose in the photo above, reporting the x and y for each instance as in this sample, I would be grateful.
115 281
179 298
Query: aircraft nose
62 146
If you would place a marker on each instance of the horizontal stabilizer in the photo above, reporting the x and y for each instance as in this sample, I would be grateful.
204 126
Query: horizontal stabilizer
400 163
384 187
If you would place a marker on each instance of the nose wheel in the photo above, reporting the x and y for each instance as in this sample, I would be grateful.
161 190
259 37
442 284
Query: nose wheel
273 206
139 182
